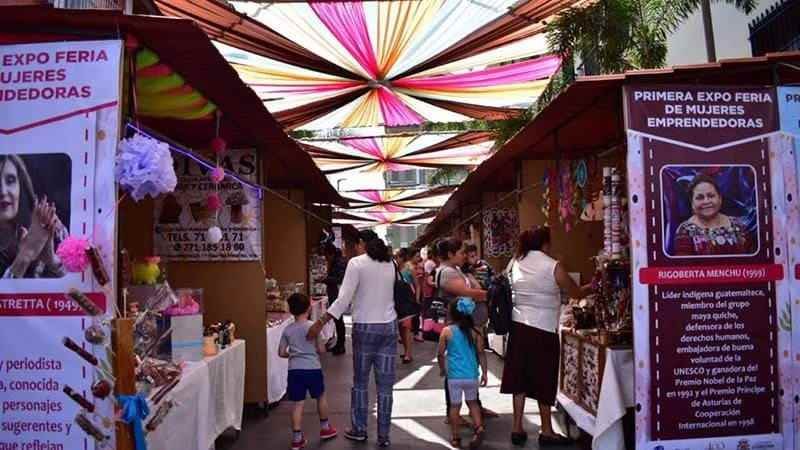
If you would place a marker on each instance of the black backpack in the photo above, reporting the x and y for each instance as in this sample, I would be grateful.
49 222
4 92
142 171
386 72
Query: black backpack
498 296
404 303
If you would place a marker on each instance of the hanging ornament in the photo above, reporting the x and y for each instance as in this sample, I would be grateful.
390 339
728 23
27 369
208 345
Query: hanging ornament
94 334
72 252
216 175
546 196
101 389
214 235
213 202
144 167
219 146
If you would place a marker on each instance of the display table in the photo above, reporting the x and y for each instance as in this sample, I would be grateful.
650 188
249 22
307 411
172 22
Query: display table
209 399
615 397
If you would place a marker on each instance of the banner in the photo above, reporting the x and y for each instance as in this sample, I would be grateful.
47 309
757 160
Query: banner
789 105
712 314
59 125
182 218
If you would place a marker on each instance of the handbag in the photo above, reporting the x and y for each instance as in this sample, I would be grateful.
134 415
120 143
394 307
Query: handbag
404 303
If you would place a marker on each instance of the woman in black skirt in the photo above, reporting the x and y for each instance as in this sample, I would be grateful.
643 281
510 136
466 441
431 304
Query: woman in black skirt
531 366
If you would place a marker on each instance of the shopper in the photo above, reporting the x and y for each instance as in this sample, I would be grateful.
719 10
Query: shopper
453 284
460 349
305 371
480 269
418 272
336 269
531 364
403 260
369 287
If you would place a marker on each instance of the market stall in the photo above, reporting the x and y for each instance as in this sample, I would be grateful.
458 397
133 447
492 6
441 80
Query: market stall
680 312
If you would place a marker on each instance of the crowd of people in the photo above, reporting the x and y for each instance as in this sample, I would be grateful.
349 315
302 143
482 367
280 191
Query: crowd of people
450 274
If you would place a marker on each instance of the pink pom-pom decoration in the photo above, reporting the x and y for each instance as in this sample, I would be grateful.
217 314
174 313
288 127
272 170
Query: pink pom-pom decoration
72 252
219 146
217 174
213 202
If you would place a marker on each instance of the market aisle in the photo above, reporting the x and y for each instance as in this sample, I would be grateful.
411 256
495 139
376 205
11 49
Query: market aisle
418 419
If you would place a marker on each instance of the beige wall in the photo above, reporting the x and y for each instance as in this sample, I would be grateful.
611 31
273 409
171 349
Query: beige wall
231 291
285 239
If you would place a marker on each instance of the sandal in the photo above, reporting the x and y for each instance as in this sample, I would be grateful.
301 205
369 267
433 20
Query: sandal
407 360
477 438
556 440
455 442
519 439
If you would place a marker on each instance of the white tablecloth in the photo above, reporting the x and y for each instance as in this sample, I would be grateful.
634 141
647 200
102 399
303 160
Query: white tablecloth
616 395
277 367
210 399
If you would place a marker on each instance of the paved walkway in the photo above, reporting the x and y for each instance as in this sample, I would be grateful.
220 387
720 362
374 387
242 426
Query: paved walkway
418 416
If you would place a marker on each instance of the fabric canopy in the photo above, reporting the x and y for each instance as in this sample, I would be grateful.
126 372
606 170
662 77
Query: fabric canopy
371 219
394 153
399 200
360 64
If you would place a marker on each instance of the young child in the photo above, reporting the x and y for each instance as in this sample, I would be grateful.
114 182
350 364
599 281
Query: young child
305 371
460 349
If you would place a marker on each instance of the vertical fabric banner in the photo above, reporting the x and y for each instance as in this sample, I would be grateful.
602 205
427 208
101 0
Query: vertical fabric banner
59 128
789 106
709 249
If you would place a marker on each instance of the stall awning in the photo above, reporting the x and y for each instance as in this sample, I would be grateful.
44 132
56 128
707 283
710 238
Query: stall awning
188 51
588 118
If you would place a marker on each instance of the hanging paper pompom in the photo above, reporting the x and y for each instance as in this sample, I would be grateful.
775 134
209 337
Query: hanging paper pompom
217 174
72 252
213 202
214 235
131 42
218 145
144 167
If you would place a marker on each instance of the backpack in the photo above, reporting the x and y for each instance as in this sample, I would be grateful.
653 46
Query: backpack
498 296
435 317
404 303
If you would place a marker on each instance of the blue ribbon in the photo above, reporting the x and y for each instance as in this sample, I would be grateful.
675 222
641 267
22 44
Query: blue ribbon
134 410
465 306
581 174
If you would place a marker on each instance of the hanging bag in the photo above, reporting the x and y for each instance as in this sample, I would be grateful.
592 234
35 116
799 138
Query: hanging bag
404 303
500 301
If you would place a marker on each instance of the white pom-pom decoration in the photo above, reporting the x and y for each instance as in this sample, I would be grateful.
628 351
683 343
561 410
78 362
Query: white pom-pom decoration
214 235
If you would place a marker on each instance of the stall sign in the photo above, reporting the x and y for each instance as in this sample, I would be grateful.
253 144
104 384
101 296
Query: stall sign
709 250
182 218
789 105
59 122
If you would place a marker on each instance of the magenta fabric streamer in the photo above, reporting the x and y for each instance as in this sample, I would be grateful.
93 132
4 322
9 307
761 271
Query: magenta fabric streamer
308 89
395 111
369 146
534 69
348 22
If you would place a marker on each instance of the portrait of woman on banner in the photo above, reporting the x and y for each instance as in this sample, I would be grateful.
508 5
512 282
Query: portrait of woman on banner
30 228
710 211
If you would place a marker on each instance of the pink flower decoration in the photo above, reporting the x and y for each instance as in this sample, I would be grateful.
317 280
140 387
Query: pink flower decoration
219 146
72 252
213 202
217 174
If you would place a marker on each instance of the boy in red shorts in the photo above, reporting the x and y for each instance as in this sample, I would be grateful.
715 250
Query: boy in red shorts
305 371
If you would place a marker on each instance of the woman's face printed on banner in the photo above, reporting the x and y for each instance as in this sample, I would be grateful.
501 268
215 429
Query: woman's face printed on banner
9 191
706 201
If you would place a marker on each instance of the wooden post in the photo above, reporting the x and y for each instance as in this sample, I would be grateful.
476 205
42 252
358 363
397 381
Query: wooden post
124 365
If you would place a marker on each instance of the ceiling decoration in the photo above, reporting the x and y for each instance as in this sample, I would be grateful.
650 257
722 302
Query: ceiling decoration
399 200
398 63
394 153
371 219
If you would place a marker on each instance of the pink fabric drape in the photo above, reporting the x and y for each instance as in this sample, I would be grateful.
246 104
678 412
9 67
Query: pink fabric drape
306 88
369 146
348 22
534 69
395 111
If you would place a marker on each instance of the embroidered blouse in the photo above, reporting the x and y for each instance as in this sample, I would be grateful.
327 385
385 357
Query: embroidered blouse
692 239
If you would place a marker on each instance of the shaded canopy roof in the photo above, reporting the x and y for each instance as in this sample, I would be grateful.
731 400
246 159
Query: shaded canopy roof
319 65
588 118
398 200
185 47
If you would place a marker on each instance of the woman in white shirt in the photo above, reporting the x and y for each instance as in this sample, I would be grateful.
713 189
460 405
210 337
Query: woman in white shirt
368 286
531 364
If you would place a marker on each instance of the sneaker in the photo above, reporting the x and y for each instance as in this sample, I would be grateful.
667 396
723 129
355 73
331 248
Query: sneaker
384 442
328 433
358 436
298 445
